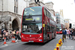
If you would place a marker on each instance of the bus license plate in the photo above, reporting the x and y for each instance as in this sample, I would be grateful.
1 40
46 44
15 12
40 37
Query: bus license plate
31 41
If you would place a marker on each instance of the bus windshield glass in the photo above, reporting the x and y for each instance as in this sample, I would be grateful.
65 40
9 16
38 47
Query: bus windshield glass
33 11
32 28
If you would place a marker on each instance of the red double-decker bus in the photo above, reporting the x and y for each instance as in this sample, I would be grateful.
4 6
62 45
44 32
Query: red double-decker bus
37 25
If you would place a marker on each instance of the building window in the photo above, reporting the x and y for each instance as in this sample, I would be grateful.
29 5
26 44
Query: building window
15 9
16 0
16 6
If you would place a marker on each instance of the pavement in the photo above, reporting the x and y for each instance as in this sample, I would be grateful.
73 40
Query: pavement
68 45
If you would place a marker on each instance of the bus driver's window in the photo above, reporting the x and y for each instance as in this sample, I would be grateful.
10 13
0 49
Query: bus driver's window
29 29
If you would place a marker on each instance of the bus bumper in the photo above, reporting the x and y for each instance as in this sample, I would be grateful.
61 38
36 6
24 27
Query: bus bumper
31 40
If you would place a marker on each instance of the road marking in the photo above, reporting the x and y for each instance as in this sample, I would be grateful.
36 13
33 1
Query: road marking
4 45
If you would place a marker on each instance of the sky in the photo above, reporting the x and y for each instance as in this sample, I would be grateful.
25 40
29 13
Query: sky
68 7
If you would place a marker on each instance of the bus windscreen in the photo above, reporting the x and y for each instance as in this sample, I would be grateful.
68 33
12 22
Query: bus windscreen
32 28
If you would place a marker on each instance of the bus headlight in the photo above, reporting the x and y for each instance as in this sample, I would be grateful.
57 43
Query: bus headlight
23 36
40 36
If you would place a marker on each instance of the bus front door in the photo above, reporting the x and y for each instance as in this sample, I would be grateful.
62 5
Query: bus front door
45 34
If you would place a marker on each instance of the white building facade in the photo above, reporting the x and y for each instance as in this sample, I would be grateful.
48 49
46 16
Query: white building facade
10 14
9 5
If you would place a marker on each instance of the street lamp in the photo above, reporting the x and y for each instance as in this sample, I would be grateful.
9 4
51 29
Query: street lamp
36 1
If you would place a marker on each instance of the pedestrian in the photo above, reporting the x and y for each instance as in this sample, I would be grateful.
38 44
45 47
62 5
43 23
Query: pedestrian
17 36
7 35
2 32
64 34
10 35
14 33
29 29
0 35
73 33
68 33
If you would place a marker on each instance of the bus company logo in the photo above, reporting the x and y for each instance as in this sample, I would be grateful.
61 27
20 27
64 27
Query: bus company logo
30 35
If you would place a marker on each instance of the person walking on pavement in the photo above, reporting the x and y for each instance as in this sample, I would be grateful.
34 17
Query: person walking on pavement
0 35
17 36
68 33
64 34
2 32
7 35
14 33
73 33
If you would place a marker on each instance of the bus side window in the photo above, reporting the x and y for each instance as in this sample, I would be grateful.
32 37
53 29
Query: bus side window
50 15
45 12
47 28
51 29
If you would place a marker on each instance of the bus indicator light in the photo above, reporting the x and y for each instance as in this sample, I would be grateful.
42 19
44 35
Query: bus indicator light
43 25
40 36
